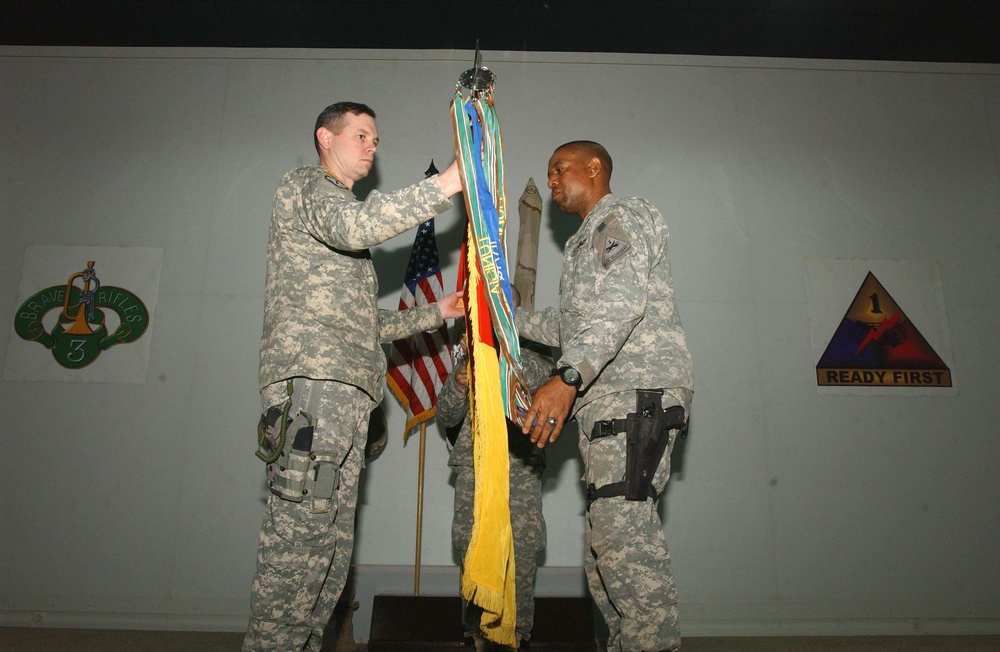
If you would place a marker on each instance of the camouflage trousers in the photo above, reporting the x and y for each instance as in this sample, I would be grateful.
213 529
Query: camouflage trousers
529 534
625 553
305 548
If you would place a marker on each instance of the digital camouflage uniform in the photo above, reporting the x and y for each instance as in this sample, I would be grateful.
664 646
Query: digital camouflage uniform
527 462
617 324
322 326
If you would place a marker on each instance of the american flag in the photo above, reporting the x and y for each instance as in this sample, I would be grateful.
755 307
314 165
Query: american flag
420 364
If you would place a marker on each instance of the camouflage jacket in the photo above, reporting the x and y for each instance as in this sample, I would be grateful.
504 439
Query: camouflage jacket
453 409
321 320
616 323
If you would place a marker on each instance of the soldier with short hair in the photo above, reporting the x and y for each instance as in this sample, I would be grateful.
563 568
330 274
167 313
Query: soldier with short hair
322 368
626 374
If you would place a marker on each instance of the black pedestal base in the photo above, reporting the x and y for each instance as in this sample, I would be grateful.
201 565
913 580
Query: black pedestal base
434 623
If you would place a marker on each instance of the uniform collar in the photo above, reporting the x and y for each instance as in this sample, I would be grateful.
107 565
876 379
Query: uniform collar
333 178
600 206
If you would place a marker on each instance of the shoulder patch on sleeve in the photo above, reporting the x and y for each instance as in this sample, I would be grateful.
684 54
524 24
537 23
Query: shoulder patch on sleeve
611 241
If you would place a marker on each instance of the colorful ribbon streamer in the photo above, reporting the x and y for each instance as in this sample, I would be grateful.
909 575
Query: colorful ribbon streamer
497 387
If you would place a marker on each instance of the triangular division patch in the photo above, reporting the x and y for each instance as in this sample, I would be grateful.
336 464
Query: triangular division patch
877 346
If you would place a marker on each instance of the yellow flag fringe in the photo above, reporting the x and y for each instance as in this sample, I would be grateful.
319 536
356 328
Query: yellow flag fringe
488 579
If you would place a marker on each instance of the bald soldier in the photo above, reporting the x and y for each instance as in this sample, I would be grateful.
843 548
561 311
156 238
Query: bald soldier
625 375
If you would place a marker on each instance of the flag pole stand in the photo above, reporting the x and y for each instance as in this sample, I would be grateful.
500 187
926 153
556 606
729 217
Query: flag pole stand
420 507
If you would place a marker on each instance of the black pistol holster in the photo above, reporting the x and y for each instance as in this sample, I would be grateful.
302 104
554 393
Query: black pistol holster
647 434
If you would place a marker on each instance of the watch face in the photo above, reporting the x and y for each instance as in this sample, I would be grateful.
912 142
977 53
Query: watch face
571 376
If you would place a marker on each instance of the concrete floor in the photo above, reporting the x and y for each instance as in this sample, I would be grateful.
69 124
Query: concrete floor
30 639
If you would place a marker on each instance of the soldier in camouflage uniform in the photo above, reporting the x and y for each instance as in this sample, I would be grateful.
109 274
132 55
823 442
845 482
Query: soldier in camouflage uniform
527 462
321 361
619 332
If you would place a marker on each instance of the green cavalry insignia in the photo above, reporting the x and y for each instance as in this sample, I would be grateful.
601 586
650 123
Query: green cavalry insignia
81 330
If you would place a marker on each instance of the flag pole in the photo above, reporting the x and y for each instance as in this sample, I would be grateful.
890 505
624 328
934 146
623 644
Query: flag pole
420 507
431 170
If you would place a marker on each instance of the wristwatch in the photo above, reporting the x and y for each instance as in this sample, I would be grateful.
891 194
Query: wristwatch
570 376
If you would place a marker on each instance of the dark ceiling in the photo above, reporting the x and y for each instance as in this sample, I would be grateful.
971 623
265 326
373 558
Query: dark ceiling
966 31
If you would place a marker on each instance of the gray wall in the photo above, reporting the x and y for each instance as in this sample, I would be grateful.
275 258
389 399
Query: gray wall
792 510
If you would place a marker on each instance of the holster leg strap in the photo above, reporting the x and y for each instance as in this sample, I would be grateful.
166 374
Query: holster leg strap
612 490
